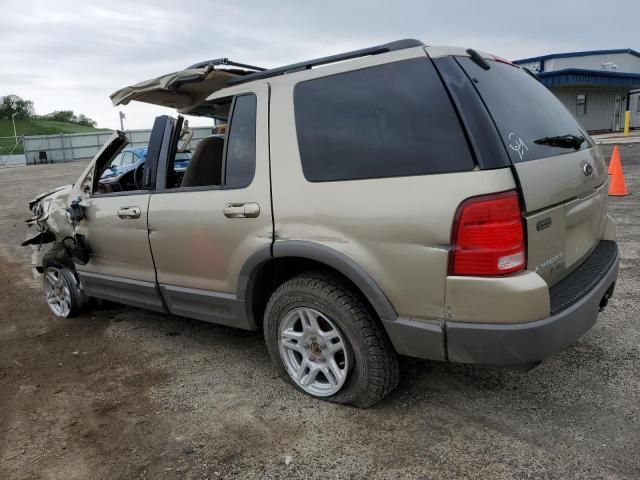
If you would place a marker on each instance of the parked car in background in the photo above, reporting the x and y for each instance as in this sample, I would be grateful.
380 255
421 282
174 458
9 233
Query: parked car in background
434 202
120 174
125 171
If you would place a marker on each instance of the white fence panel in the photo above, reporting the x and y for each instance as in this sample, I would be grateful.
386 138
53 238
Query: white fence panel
82 146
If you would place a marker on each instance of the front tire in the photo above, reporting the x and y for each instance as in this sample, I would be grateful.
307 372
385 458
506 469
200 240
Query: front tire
326 342
62 292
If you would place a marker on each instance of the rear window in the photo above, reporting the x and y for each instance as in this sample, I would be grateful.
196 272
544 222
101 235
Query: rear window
385 121
523 109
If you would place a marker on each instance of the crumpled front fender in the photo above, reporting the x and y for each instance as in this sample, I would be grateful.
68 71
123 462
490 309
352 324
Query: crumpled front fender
49 214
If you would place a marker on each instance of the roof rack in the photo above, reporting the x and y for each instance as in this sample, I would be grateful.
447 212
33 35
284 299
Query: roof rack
296 67
224 61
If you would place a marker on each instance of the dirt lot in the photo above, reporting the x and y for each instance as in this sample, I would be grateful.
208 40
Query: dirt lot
124 393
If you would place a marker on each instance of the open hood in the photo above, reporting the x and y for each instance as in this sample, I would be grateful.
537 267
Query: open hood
183 90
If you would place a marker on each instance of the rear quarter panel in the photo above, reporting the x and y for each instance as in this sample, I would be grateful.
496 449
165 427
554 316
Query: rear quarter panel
397 229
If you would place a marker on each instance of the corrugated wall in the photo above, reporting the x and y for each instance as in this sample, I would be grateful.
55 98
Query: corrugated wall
600 106
81 146
624 61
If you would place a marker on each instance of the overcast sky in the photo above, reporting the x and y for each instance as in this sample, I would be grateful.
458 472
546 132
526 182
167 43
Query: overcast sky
73 54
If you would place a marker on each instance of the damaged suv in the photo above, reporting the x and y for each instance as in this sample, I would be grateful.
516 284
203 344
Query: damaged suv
434 202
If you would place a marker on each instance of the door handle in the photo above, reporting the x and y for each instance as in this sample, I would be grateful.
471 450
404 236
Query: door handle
129 212
241 210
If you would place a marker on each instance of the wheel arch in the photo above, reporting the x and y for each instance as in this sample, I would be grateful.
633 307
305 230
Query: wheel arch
262 271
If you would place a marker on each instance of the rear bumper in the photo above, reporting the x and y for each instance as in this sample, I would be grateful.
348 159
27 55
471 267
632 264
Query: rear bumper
575 302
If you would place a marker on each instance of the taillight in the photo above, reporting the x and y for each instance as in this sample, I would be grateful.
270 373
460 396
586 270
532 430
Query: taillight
488 236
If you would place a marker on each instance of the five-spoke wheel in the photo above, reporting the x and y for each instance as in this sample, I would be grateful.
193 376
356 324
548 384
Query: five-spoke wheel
326 341
62 291
313 351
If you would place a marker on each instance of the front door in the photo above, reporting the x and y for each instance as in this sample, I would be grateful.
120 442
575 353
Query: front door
209 218
120 265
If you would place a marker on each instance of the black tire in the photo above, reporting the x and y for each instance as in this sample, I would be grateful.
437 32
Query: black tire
373 362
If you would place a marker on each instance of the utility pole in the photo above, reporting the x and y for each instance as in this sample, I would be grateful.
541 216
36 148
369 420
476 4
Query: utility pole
122 116
13 119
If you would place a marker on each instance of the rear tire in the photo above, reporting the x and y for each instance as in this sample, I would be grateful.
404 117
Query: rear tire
364 367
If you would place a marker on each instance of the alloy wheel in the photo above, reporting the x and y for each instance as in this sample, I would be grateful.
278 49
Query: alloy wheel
314 351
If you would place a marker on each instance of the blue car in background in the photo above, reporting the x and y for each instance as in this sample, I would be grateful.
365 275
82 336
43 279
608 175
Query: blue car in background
122 172
126 161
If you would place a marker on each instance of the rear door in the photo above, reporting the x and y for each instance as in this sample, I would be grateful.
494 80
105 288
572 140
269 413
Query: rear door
562 181
203 229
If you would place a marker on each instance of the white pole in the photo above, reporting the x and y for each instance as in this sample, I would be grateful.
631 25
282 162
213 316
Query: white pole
14 126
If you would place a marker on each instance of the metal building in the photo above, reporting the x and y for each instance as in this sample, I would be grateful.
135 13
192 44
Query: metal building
598 86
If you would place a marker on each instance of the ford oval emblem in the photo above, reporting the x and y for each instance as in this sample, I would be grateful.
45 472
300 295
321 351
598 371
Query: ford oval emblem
587 169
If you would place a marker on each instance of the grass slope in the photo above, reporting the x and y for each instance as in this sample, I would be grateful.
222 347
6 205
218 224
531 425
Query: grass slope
35 127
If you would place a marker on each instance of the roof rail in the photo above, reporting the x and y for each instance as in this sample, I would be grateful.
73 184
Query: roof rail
296 67
224 61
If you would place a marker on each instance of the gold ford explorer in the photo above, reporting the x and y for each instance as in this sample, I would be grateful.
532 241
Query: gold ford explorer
433 202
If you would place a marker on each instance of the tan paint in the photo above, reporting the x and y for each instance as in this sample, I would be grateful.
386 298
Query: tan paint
194 244
609 232
120 247
523 297
570 205
397 229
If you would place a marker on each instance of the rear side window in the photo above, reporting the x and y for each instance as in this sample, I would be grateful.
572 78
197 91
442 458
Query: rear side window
385 121
524 110
241 143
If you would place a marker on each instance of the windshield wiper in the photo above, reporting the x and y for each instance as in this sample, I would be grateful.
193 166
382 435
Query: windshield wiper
562 141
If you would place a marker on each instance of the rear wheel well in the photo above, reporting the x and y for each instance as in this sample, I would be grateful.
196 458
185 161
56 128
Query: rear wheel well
276 271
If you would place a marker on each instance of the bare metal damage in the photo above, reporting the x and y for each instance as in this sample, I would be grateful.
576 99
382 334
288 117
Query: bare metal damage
52 212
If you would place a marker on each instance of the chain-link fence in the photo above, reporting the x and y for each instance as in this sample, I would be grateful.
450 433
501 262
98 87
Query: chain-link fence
11 151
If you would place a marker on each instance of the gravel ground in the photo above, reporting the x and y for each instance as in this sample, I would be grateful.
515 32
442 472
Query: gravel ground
124 393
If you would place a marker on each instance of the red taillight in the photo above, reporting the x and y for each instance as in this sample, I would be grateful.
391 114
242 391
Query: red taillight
488 236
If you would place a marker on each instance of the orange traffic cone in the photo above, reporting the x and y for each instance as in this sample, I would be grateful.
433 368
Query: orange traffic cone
617 185
615 163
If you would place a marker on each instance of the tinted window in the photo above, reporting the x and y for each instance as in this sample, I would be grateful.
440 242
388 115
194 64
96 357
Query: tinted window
384 121
241 143
523 109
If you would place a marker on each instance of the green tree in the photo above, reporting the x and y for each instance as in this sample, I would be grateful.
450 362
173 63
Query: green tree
13 104
66 116
86 121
